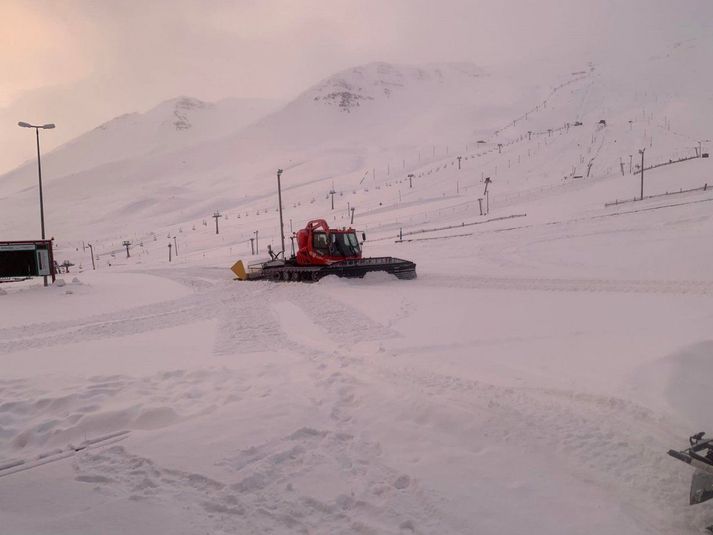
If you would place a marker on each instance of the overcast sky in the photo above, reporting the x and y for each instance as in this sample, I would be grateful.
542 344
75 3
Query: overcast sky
79 63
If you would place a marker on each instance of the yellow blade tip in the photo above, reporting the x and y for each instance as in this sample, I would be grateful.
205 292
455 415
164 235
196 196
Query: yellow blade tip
239 270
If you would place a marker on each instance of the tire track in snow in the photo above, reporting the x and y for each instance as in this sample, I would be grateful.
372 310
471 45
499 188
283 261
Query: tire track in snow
267 488
103 404
243 327
613 442
393 501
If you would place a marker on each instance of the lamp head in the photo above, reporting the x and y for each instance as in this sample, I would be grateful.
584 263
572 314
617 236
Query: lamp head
24 125
48 126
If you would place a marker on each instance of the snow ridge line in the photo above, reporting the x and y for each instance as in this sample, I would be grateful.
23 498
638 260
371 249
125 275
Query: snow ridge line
570 285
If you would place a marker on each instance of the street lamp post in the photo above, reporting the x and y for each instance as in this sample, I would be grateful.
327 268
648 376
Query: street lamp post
47 126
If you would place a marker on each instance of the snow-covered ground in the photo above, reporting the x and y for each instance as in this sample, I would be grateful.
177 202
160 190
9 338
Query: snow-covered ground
530 380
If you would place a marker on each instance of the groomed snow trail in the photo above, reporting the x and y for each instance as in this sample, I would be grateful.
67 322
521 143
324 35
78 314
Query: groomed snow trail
376 441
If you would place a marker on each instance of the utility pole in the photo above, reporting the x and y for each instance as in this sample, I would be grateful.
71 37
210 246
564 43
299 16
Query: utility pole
216 215
459 158
126 244
642 172
279 200
91 251
175 246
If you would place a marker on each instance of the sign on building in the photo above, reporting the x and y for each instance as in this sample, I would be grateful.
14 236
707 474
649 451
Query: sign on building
32 258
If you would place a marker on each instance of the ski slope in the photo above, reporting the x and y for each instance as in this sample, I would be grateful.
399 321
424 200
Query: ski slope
530 380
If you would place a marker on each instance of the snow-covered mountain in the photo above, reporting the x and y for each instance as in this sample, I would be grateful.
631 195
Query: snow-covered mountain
171 125
185 158
185 153
382 103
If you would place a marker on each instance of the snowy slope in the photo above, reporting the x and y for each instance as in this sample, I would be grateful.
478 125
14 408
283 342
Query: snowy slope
419 107
170 126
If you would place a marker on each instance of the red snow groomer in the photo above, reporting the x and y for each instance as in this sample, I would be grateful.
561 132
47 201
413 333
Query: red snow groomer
324 251
318 245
